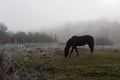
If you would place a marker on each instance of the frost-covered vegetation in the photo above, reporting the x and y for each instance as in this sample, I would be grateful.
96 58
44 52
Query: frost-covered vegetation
46 62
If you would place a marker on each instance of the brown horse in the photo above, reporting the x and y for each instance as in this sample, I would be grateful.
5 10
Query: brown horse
75 41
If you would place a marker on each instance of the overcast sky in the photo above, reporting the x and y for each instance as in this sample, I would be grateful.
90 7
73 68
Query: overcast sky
28 15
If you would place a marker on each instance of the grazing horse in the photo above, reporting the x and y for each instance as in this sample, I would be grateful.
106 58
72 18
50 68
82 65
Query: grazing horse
75 41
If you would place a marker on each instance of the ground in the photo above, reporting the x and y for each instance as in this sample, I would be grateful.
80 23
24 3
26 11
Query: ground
36 63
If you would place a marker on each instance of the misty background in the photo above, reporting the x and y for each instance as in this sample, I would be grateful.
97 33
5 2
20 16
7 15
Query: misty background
58 20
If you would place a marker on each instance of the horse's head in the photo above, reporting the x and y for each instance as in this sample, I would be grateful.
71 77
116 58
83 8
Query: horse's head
66 52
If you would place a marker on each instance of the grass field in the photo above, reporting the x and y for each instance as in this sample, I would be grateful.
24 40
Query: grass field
104 64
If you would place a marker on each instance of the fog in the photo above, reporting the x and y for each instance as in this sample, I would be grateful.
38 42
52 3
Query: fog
63 18
97 28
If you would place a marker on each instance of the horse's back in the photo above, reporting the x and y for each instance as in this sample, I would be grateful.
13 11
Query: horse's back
82 40
85 37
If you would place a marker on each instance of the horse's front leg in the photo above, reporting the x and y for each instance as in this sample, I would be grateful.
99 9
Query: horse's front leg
71 51
76 51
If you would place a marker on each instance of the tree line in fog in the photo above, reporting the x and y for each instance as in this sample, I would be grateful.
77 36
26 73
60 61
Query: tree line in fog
23 37
105 32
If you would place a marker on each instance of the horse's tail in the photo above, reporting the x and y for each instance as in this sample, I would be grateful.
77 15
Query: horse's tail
92 44
67 47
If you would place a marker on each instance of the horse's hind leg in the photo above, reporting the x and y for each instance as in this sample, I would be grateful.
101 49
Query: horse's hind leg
76 51
91 48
